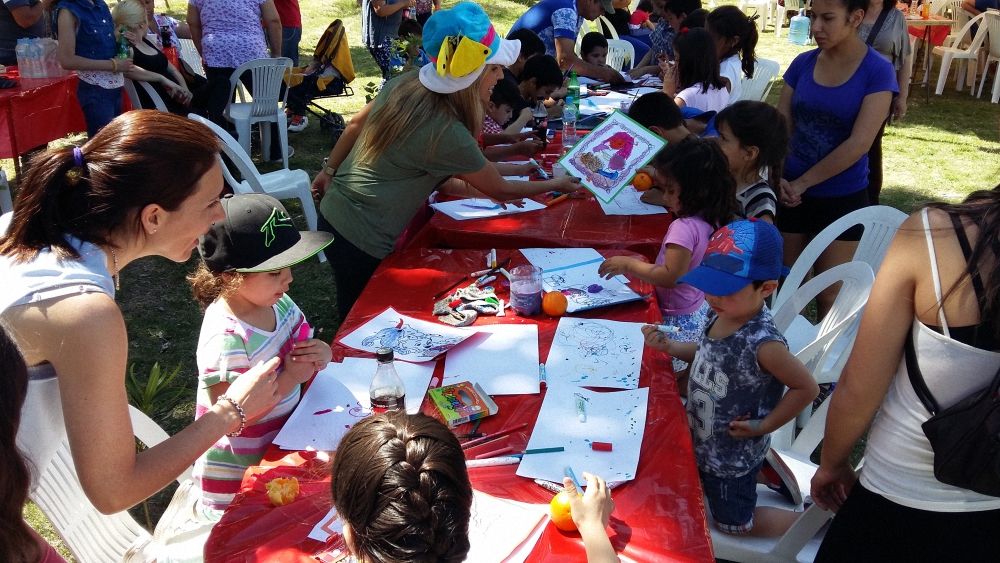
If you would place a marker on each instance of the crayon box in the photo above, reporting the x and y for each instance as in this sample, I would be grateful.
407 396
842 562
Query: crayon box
462 402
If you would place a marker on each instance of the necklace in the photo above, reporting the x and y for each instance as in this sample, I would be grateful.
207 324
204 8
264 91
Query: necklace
114 258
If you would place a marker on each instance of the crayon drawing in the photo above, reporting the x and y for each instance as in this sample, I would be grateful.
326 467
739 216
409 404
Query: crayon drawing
607 158
412 340
584 288
595 353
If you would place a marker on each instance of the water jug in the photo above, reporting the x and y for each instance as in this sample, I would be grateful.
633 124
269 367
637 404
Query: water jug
798 29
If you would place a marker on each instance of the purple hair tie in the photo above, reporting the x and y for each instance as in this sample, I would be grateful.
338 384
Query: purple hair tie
74 174
78 157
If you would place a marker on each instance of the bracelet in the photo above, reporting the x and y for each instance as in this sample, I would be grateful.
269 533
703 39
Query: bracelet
114 63
327 169
239 409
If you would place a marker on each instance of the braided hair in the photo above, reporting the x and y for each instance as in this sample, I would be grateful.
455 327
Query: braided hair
400 483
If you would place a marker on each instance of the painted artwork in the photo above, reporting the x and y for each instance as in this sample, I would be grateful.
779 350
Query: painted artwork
595 353
607 158
465 209
412 340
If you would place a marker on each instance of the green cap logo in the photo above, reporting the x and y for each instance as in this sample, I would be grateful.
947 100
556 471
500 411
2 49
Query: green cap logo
277 219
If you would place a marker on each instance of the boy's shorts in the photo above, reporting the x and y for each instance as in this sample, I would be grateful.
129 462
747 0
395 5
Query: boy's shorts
732 500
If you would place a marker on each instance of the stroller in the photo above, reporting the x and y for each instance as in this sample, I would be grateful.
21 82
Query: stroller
327 76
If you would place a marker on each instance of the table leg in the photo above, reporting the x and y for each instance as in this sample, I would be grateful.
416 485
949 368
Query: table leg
927 64
13 142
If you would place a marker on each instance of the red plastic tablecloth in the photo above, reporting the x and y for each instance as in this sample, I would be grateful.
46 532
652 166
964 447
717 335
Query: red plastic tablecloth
36 111
938 32
659 516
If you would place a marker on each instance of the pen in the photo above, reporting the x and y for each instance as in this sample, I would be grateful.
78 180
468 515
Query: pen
549 486
541 373
541 172
668 328
568 70
493 258
506 460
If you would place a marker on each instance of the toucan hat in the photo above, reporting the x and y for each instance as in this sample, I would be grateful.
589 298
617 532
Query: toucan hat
257 235
459 43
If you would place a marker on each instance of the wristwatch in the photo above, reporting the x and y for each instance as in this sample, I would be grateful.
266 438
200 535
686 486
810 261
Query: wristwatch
326 168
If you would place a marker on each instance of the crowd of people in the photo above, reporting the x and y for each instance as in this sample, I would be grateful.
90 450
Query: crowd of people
748 185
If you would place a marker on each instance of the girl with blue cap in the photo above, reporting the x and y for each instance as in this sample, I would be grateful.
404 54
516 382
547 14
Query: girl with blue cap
420 131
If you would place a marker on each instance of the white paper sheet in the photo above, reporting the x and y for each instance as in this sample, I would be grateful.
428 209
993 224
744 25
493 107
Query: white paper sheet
628 203
618 418
412 340
584 287
606 159
516 179
564 258
338 398
497 527
502 358
476 208
329 525
595 353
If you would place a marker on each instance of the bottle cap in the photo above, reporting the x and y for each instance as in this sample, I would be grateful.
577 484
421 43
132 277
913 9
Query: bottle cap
384 355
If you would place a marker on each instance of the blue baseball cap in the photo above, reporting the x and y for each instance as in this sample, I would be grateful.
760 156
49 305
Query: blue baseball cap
737 254
459 42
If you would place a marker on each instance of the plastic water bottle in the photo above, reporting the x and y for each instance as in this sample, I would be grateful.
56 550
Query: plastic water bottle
569 116
34 59
798 29
21 52
387 392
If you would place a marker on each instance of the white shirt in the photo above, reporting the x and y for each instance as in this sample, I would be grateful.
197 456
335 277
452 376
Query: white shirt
732 68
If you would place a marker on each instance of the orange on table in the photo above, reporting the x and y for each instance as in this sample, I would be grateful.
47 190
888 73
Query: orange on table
554 304
642 182
282 490
560 514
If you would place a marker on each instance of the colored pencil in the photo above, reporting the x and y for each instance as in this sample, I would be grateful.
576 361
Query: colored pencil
494 435
556 200
544 450
495 453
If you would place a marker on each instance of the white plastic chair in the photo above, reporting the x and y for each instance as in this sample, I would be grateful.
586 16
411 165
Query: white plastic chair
758 87
133 95
762 8
601 23
967 57
189 54
93 537
6 202
621 54
267 104
993 27
280 184
780 12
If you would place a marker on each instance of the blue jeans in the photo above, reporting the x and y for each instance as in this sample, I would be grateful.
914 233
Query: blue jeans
99 105
732 500
290 37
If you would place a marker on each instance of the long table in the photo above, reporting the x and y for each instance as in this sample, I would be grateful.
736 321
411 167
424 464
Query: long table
659 516
36 111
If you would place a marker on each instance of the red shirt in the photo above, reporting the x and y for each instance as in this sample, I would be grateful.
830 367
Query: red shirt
288 11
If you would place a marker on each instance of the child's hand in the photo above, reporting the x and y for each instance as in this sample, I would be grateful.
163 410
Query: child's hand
566 184
745 427
614 266
125 65
306 358
527 169
656 339
527 148
593 510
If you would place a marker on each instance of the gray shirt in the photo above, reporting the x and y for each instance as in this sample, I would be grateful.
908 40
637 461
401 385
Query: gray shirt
892 41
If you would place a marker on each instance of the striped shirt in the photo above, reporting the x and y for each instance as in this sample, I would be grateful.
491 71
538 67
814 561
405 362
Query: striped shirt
757 201
228 347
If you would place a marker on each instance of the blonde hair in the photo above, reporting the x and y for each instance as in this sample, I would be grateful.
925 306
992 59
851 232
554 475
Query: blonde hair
410 105
129 13
207 286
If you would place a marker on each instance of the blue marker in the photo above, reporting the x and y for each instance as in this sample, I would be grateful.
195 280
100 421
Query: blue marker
541 373
568 471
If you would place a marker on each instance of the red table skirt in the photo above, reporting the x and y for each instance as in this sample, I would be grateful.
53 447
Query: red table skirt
659 516
37 111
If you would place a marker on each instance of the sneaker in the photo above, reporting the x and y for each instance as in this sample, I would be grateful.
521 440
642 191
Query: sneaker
298 123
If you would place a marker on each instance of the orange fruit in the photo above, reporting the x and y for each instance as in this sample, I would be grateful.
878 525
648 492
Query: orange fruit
560 513
642 182
282 491
554 304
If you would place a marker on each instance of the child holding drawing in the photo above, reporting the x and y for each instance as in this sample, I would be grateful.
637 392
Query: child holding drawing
249 319
697 186
402 492
739 370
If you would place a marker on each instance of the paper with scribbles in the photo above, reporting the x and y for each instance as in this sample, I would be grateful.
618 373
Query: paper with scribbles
595 353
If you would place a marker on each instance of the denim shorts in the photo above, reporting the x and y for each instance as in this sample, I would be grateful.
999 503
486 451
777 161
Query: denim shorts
732 500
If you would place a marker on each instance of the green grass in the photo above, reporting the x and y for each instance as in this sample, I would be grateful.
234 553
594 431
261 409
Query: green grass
940 151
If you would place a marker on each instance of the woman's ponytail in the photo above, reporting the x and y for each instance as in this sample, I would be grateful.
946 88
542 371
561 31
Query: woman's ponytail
727 22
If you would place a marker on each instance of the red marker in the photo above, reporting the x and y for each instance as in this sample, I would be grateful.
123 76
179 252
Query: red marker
495 453
601 446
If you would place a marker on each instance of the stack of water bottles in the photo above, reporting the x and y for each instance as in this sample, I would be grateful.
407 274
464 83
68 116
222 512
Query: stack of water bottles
38 58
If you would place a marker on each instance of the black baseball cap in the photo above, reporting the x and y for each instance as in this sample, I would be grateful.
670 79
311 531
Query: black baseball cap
257 235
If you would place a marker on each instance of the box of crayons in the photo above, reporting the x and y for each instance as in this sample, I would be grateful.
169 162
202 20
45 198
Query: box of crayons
462 402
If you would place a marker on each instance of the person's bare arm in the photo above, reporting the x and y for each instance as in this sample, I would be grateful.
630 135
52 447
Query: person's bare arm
84 338
658 340
68 58
383 9
343 148
903 80
970 6
194 26
27 16
567 57
677 261
183 31
523 119
522 149
272 21
775 358
489 181
785 106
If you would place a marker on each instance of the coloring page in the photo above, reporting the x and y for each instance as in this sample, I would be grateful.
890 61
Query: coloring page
628 203
464 209
498 526
617 418
501 358
412 340
584 287
595 353
607 158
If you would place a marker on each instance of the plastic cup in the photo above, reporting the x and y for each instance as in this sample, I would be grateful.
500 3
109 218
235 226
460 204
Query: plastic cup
526 290
558 171
625 105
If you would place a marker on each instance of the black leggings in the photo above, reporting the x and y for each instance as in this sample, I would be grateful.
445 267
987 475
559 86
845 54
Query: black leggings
872 529
352 268
875 166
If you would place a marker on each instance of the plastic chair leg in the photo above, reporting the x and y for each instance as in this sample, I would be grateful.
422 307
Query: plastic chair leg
963 66
243 134
265 140
282 120
943 73
982 81
996 86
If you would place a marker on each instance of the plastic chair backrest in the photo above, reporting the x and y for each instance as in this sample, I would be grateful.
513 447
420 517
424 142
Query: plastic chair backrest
239 157
189 54
993 26
757 88
966 31
266 76
880 223
791 6
133 95
621 53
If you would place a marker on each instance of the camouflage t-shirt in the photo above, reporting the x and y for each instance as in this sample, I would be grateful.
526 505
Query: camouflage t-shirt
727 382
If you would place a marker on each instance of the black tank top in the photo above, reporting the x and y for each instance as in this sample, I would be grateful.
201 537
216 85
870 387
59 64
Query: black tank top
154 63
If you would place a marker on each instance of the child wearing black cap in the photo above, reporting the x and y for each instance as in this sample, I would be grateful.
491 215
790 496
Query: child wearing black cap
739 371
249 319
